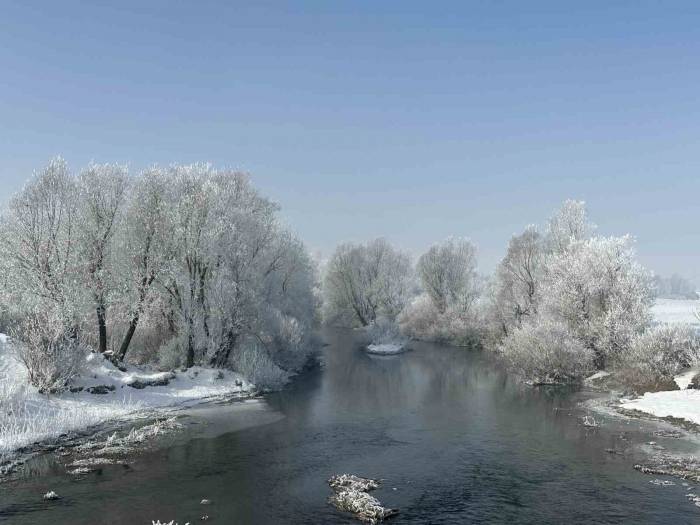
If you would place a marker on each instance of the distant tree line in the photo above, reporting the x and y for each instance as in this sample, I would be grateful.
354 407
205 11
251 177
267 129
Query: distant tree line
674 287
561 304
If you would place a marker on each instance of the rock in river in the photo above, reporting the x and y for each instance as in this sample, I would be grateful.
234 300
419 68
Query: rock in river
351 495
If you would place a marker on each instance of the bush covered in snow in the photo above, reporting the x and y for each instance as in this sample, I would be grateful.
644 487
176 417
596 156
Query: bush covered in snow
660 353
52 355
422 320
546 352
385 331
253 360
446 311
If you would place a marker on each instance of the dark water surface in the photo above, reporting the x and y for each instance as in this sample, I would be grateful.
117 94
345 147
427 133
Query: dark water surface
455 439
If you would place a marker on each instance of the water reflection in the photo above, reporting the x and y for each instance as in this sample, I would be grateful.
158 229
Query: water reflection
455 437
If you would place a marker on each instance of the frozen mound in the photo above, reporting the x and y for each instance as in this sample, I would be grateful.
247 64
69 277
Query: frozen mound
350 494
386 348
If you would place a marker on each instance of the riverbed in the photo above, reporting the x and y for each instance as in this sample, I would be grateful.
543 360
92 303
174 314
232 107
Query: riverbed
454 438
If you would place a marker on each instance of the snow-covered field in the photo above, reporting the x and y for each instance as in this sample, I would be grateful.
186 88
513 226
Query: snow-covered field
27 417
676 311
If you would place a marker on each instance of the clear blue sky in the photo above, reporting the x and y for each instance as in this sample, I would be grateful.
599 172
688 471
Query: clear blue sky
410 120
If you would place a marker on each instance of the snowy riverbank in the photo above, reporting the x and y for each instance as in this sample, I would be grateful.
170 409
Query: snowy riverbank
102 394
678 404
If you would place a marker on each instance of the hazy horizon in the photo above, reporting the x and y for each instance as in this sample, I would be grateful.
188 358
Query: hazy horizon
404 121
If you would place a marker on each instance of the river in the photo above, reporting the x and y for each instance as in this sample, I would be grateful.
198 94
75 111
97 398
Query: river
454 437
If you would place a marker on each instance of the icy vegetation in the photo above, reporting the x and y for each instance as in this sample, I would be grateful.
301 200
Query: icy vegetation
176 267
365 282
445 311
122 292
563 303
128 292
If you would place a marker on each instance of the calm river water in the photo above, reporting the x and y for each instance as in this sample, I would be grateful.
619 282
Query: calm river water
455 438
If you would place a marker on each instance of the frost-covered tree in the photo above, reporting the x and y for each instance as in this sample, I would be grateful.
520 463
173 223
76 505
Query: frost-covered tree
568 224
366 281
236 275
587 292
600 292
518 280
102 190
146 248
38 245
193 258
41 288
447 273
190 261
445 310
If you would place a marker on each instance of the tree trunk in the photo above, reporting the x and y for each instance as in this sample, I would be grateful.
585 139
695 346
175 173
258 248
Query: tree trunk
189 358
102 327
220 358
124 348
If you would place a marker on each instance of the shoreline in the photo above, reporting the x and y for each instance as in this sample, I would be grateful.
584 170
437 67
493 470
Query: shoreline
78 437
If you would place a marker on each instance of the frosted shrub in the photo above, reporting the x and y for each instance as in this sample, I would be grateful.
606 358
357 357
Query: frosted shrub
462 328
545 352
252 360
385 331
423 321
13 389
50 353
660 353
171 353
419 320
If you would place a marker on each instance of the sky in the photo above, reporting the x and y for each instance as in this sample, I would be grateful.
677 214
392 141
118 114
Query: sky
413 121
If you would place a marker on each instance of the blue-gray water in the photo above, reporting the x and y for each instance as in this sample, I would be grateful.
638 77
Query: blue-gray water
455 439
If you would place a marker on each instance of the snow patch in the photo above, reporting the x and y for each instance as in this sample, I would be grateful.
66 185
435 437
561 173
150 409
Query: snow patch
27 417
386 348
681 404
684 379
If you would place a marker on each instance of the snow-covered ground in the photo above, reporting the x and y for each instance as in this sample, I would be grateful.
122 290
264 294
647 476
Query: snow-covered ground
386 348
681 404
684 403
676 311
27 417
